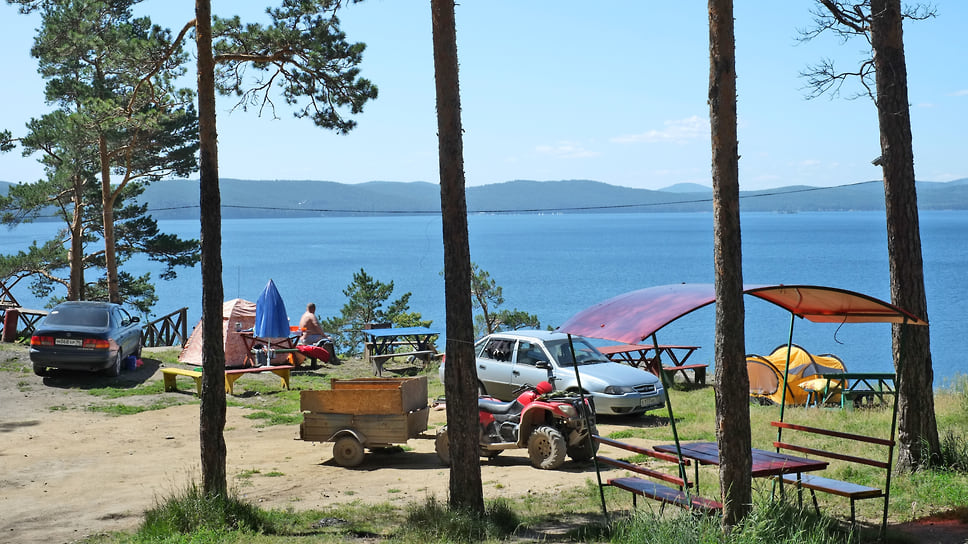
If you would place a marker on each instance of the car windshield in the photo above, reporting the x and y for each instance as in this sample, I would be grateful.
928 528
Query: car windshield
586 353
77 316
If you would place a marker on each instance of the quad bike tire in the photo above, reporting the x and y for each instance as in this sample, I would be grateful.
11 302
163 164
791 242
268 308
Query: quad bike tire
584 450
546 448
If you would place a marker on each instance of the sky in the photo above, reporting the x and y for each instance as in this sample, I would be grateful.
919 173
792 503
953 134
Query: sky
560 89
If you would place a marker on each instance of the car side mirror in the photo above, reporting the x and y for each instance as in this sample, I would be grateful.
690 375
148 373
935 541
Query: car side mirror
544 365
136 319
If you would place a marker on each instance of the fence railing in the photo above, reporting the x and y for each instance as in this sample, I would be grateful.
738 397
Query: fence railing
168 330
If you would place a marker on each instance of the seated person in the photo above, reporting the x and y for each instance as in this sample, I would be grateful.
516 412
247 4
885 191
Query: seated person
312 331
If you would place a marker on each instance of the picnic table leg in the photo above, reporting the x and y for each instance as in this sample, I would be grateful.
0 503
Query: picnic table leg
283 374
230 383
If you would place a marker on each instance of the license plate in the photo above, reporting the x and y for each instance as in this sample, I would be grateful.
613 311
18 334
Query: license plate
68 342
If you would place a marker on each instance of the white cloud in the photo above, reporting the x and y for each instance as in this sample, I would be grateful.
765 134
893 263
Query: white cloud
677 131
962 92
567 150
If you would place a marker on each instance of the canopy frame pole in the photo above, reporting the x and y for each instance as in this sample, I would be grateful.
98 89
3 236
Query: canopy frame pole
672 421
786 374
588 425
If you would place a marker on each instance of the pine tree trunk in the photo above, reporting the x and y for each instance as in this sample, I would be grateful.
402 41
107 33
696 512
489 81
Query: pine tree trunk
466 487
75 290
918 429
212 412
732 381
107 212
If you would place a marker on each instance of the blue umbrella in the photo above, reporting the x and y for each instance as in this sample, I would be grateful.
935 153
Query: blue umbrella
271 320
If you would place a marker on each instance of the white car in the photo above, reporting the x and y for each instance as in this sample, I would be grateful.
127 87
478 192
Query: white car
507 360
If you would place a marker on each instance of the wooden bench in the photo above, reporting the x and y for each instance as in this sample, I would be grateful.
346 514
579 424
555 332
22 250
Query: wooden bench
169 374
231 375
379 360
678 495
698 370
850 490
283 371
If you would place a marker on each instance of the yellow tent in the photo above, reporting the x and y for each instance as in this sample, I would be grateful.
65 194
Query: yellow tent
766 374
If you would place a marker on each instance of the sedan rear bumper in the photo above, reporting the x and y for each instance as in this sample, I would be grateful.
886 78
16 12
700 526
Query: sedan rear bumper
74 359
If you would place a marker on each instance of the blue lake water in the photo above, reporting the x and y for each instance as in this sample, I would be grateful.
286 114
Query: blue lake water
556 265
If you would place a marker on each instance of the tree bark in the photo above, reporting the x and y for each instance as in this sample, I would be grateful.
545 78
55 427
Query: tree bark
918 429
466 488
75 290
732 380
212 411
107 213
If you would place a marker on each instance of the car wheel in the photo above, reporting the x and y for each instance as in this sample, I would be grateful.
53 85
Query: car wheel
115 368
348 451
41 370
584 450
442 445
546 448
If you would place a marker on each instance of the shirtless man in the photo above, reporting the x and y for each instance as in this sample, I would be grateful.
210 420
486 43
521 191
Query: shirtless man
312 331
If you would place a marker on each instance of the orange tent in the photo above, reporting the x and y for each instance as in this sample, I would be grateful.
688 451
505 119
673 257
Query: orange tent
234 311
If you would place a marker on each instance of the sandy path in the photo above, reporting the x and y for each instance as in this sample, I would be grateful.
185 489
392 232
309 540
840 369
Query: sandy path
67 473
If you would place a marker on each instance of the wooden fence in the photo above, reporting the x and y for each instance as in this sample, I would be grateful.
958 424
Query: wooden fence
168 330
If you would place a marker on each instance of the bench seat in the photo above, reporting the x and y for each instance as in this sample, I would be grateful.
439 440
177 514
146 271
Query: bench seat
665 494
231 375
699 372
834 487
678 495
169 375
283 371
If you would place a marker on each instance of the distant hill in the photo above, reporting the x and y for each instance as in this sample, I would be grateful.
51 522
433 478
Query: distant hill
178 199
687 188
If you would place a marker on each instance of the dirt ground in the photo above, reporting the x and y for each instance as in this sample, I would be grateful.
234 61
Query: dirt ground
67 472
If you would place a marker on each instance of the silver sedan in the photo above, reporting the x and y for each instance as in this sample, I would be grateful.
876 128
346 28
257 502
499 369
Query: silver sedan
507 360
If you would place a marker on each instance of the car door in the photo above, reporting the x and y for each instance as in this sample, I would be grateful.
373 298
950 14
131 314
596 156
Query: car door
128 332
494 361
527 358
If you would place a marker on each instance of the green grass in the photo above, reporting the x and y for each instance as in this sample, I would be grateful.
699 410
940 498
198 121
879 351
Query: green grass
117 409
151 388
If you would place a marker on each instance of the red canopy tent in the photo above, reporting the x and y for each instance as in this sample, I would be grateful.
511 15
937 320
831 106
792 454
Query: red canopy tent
635 316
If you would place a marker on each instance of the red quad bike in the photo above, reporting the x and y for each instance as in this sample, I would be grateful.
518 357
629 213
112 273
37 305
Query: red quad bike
549 424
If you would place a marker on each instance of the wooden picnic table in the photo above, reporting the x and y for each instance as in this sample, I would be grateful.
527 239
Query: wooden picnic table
766 463
857 385
250 340
649 357
382 344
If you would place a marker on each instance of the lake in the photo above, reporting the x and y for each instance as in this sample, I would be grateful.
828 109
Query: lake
555 265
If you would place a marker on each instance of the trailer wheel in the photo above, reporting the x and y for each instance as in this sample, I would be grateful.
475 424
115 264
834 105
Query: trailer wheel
347 451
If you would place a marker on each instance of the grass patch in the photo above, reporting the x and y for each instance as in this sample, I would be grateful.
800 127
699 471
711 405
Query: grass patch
433 522
116 409
150 388
207 518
